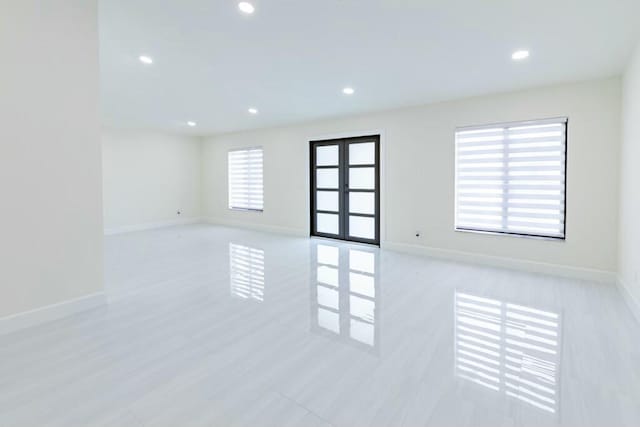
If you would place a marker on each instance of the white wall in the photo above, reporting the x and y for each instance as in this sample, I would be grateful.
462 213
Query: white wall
629 265
50 185
148 177
418 174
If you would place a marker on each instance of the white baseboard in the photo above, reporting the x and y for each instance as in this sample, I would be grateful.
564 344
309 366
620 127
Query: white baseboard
632 302
503 262
151 226
259 227
50 313
446 254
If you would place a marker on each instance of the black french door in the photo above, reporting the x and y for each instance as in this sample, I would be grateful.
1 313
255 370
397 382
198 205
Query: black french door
345 189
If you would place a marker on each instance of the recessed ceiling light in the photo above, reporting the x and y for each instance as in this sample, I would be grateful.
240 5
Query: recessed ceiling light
519 55
246 7
192 124
348 91
253 110
146 59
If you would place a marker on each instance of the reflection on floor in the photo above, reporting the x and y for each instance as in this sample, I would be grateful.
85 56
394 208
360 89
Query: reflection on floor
215 326
246 267
508 348
343 296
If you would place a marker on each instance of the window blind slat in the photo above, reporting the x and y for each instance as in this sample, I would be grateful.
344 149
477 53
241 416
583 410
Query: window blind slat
507 186
518 215
516 196
513 168
540 206
474 146
510 178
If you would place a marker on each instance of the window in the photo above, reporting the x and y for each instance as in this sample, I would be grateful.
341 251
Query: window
245 179
510 178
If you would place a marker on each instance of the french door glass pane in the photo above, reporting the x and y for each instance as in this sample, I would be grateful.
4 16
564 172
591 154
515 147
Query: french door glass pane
327 155
362 227
327 201
362 178
363 203
362 154
327 178
327 223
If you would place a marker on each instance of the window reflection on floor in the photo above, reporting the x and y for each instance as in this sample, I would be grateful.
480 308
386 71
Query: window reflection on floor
246 268
508 348
343 296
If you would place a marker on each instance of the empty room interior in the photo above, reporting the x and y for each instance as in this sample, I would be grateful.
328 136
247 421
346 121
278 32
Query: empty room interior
320 213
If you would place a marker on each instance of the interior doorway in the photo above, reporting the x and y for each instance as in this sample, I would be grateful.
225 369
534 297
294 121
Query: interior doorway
345 189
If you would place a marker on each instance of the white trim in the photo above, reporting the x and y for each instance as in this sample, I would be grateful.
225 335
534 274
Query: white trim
517 123
255 147
49 313
259 227
629 298
503 262
151 226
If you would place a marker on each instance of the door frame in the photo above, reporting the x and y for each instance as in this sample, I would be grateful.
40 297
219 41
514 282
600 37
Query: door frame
343 203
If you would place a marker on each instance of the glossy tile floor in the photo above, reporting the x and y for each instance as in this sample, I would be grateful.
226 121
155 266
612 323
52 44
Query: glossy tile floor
211 326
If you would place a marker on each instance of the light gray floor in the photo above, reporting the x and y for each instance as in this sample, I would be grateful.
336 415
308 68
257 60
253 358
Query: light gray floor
223 327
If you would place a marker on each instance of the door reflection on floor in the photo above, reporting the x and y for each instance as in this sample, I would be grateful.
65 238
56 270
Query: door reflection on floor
509 348
344 294
246 272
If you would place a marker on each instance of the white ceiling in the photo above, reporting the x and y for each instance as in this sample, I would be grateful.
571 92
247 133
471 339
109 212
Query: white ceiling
291 58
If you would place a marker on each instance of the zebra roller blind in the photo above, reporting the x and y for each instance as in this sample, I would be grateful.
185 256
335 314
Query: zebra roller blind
510 178
245 179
